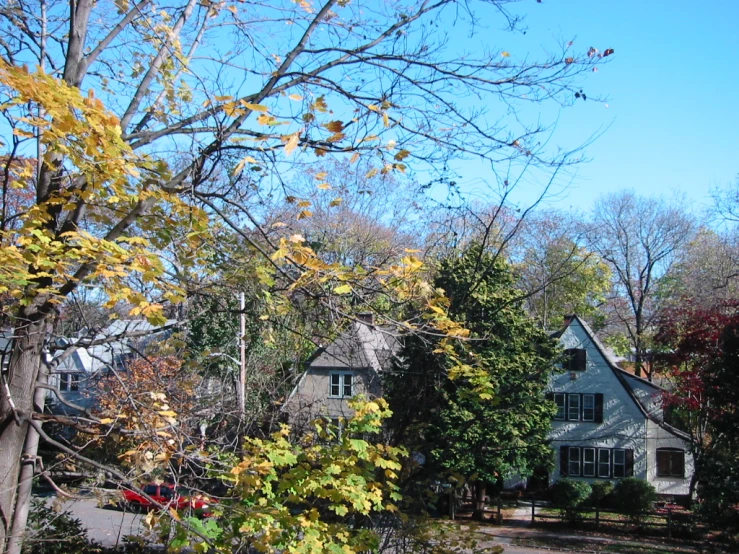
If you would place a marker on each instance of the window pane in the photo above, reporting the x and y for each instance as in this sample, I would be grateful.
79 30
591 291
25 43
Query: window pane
74 381
670 463
588 407
588 462
574 463
604 462
335 384
347 385
619 462
678 464
560 400
573 413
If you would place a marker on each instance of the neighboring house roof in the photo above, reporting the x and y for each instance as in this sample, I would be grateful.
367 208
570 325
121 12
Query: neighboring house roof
362 345
126 337
631 383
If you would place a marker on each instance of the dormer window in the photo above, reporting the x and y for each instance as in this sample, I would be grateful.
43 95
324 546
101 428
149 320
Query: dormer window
575 359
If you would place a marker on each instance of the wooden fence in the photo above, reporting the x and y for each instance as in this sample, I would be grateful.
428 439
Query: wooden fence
669 519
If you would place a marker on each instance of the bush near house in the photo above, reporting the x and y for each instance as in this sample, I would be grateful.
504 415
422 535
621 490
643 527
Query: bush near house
568 495
600 491
634 497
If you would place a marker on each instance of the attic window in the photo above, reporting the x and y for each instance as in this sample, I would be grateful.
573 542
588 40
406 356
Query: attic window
575 359
341 385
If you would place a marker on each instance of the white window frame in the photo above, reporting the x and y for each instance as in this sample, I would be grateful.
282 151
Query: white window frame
606 464
585 408
588 462
560 399
341 378
573 462
570 407
622 464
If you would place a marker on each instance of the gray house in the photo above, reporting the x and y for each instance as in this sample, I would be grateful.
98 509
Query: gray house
609 423
350 365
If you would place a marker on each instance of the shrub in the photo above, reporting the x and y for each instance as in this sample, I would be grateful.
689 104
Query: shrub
600 490
51 532
568 495
634 497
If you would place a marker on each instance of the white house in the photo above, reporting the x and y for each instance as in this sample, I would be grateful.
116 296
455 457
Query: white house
84 360
610 423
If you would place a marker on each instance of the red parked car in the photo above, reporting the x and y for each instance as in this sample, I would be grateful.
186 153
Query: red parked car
169 495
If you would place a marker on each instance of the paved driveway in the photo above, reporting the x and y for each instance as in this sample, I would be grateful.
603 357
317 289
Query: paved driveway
106 526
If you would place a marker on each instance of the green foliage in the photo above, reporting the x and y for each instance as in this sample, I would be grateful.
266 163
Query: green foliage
599 491
634 497
54 532
569 495
313 496
476 408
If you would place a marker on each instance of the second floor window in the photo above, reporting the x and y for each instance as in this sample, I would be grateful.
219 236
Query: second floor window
341 385
578 407
575 359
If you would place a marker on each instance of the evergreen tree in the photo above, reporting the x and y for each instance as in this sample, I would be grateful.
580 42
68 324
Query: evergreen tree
459 430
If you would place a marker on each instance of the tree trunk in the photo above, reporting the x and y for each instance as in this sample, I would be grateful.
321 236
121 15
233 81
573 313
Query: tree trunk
479 511
16 407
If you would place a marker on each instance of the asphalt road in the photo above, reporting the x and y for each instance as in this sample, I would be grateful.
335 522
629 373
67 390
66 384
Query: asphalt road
106 526
109 526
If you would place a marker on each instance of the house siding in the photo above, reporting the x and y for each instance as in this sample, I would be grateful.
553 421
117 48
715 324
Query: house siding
624 424
311 398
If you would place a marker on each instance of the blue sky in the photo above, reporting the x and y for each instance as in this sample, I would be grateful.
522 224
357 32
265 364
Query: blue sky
672 121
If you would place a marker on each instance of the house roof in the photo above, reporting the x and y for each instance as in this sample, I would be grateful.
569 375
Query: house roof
119 338
626 379
362 345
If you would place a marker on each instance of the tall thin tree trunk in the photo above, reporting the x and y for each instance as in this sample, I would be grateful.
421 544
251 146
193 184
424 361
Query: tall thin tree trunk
16 404
479 511
28 469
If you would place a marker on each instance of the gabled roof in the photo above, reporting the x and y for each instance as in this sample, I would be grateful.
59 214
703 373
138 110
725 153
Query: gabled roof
362 345
624 377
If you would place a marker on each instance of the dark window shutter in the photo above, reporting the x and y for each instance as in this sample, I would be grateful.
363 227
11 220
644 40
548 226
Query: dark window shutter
599 407
629 470
580 359
563 460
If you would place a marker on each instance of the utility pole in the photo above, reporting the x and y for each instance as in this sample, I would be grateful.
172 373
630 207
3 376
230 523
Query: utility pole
241 396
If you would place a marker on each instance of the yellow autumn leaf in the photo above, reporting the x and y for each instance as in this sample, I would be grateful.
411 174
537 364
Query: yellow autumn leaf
354 158
167 413
292 143
255 107
106 421
304 213
505 54
335 202
320 176
343 289
223 98
323 186
295 97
